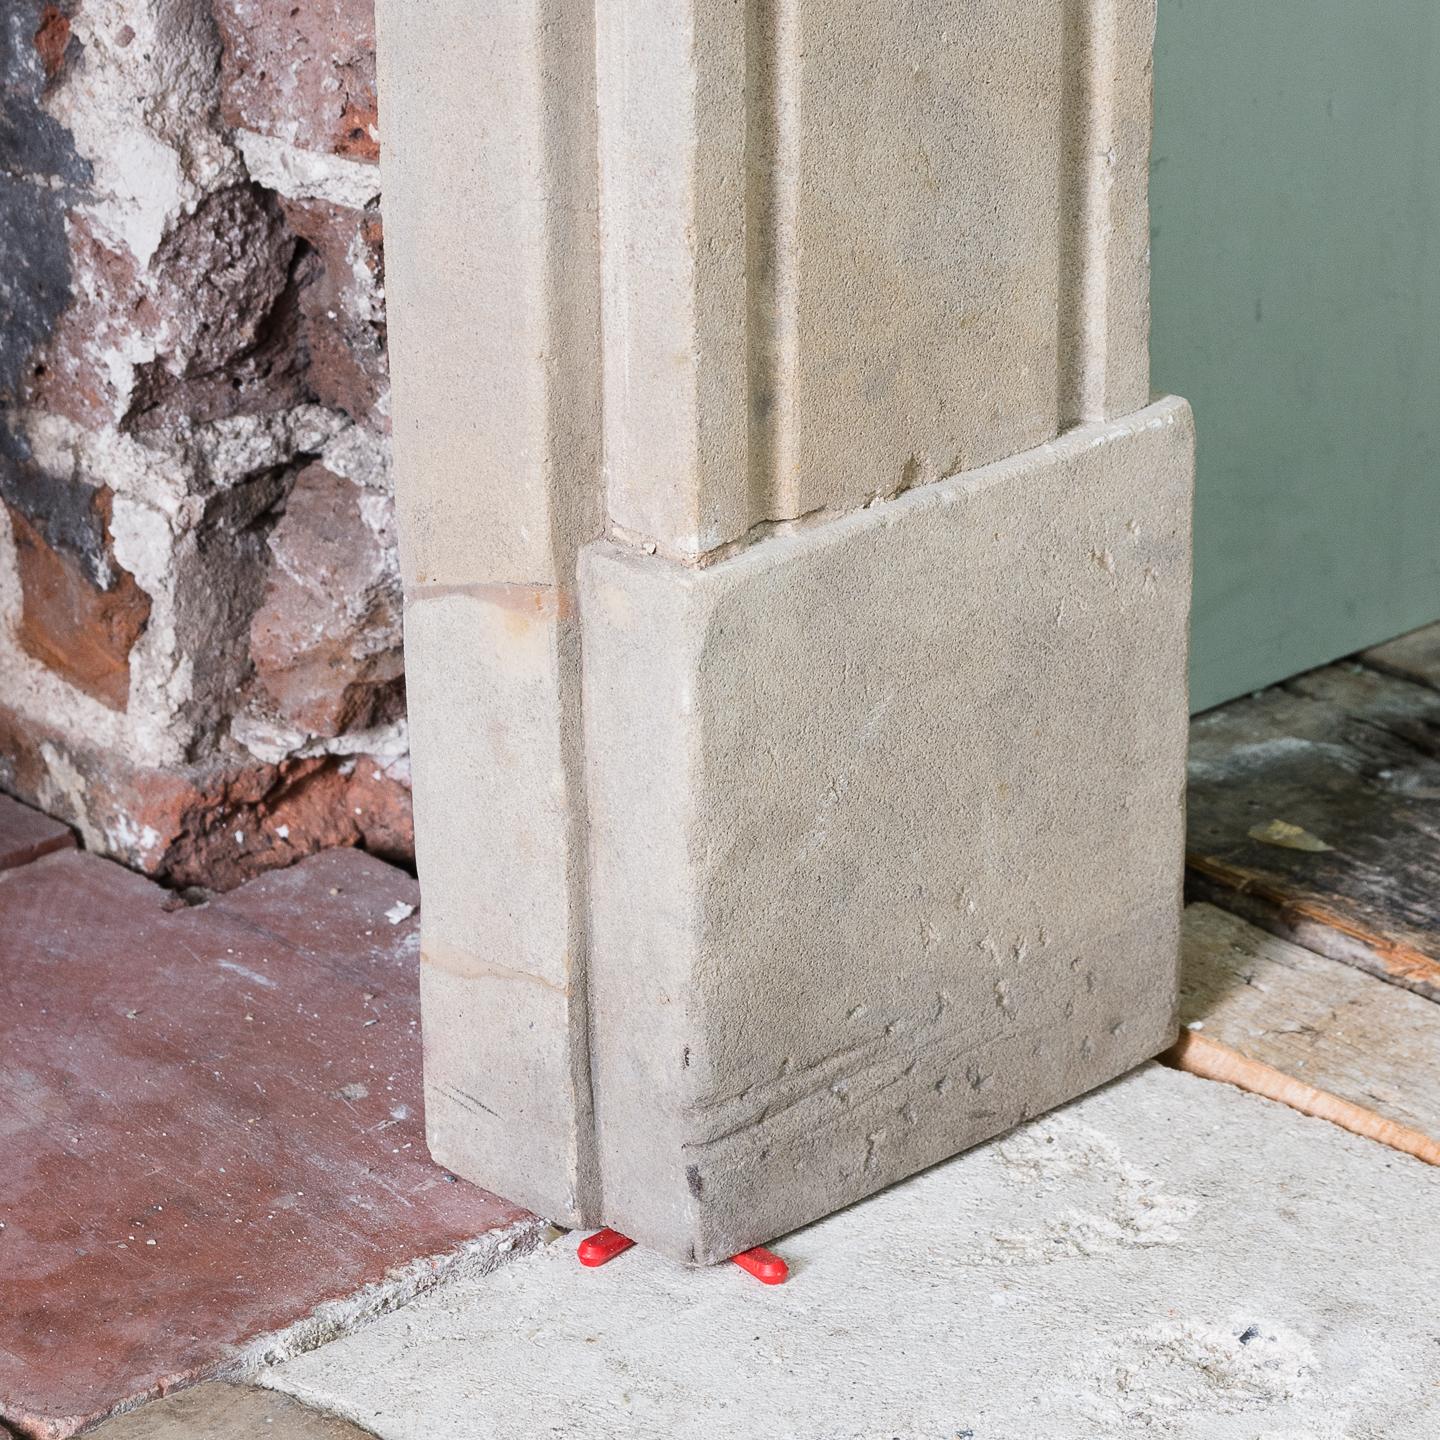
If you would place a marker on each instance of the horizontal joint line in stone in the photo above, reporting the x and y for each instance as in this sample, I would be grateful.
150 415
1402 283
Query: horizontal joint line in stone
557 601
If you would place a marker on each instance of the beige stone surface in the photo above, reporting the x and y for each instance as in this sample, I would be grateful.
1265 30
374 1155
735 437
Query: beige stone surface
1106 117
499 844
886 828
492 276
228 1412
1415 656
923 176
812 257
492 281
836 241
673 198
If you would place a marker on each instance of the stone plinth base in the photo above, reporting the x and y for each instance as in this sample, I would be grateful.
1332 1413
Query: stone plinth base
885 831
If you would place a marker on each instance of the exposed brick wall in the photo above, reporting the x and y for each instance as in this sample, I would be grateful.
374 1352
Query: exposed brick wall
199 604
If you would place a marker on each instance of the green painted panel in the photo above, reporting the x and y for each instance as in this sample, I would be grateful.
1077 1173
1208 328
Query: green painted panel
1296 303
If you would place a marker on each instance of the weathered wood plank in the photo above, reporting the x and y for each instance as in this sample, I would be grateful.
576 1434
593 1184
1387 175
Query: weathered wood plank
1415 656
1376 701
1315 813
1323 1023
1208 1059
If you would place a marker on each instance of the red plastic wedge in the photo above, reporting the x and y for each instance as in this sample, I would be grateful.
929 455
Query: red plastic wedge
602 1246
766 1266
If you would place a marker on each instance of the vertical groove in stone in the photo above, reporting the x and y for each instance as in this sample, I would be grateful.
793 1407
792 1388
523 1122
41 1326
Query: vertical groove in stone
572 369
571 359
1087 153
773 118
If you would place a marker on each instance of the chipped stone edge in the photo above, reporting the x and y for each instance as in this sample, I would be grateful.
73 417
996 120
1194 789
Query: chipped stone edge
334 1319
249 1362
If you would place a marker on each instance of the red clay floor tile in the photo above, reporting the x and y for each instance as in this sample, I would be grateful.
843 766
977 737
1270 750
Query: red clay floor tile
26 834
210 1122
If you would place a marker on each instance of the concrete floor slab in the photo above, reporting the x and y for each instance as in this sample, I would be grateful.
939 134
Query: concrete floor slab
1165 1257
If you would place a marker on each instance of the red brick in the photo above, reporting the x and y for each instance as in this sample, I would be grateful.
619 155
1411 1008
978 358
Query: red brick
378 794
52 39
238 1083
220 297
68 373
304 73
218 824
326 640
343 305
83 631
309 805
26 834
225 284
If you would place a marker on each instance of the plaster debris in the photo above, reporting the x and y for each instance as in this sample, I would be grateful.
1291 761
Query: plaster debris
1157 1376
1142 1212
306 175
142 114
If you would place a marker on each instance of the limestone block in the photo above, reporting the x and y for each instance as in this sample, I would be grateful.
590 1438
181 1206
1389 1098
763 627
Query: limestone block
925 235
1106 116
886 828
500 850
673 199
491 279
836 241
1168 1258
493 287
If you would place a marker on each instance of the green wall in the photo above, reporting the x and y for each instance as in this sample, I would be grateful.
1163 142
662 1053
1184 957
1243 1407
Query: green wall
1296 246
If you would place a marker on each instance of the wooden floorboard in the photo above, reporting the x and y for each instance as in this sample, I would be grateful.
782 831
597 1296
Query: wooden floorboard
1325 1025
1315 813
1415 656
